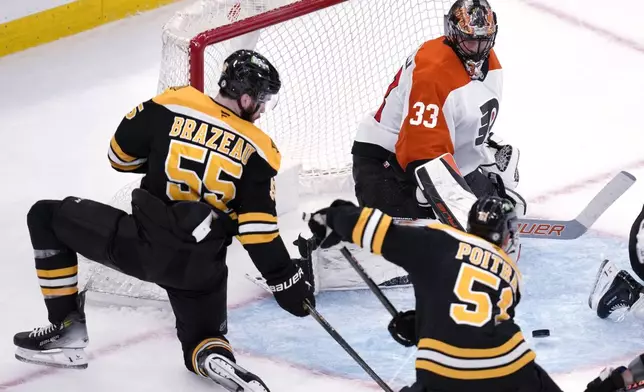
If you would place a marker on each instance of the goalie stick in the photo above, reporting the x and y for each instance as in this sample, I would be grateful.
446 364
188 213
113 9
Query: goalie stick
336 336
451 199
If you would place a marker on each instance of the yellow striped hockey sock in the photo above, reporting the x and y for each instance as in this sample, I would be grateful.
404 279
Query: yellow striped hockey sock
58 278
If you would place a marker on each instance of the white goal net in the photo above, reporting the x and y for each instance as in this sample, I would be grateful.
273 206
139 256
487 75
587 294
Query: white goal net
335 59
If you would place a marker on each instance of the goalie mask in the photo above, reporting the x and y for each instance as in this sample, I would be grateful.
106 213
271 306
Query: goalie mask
470 28
494 219
248 72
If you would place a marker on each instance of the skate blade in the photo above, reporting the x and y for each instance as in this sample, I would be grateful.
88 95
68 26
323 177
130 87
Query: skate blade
59 358
229 379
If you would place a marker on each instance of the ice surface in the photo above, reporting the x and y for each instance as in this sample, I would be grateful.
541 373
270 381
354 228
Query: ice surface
571 102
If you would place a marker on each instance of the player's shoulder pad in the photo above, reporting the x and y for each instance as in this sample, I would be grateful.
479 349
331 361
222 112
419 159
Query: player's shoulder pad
193 103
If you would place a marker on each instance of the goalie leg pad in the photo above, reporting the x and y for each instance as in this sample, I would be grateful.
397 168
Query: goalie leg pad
449 195
636 245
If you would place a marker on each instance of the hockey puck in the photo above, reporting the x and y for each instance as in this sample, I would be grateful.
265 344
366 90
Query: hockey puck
540 333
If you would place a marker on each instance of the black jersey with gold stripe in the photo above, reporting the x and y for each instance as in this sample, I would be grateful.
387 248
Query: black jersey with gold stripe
191 148
466 292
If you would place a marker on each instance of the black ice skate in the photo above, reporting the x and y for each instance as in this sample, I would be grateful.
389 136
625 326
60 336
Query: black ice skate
622 293
230 375
58 345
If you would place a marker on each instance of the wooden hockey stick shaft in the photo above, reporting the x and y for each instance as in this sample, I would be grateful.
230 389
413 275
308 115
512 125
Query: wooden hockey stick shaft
367 279
343 343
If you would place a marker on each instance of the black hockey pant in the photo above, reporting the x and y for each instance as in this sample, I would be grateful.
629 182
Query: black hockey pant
378 186
194 276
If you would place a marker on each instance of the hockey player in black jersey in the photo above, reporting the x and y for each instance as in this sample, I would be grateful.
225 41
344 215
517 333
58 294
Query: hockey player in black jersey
466 288
209 176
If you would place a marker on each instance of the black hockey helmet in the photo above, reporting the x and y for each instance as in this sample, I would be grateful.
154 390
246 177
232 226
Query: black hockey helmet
248 72
470 29
494 219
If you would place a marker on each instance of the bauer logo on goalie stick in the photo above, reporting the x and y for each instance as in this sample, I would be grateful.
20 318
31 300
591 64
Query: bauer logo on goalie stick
544 229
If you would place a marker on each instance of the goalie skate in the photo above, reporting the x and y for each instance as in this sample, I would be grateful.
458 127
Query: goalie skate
615 292
231 376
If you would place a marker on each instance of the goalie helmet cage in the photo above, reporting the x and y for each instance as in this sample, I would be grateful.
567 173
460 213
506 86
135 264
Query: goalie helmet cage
336 59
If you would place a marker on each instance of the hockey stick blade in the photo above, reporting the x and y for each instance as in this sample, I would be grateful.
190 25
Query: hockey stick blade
572 229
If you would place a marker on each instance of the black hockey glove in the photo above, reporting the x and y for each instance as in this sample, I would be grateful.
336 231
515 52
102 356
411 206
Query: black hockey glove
324 236
291 290
403 328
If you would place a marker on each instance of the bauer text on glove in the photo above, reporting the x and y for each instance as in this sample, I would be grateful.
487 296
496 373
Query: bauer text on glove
291 290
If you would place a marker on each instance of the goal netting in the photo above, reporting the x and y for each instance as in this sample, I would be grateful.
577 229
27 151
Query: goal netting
335 59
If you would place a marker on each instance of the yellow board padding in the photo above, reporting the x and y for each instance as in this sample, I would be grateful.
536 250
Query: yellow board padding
66 20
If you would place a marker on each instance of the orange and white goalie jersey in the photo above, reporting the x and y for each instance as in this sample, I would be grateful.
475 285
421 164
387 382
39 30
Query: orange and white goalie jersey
433 107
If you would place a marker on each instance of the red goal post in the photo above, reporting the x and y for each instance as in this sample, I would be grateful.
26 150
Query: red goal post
199 43
335 59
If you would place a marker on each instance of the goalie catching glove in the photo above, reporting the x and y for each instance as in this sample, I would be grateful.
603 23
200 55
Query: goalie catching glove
506 161
291 289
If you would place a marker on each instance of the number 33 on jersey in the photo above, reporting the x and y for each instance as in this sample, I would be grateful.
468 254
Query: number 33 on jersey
433 107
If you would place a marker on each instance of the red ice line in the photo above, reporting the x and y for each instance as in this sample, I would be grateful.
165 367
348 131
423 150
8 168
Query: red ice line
144 337
46 371
577 22
100 352
576 186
